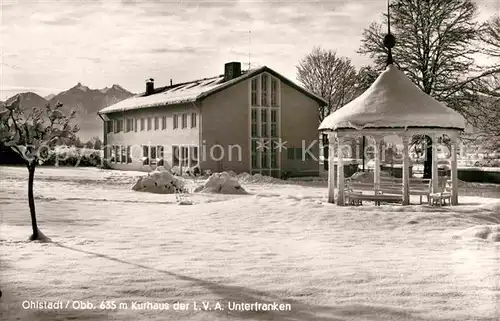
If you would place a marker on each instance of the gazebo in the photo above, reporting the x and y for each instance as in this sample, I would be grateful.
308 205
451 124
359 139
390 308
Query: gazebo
392 105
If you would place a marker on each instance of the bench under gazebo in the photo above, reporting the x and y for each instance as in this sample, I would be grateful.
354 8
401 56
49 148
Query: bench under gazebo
392 105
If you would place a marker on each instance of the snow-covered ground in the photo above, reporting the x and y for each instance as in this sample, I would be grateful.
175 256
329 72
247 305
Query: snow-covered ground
281 243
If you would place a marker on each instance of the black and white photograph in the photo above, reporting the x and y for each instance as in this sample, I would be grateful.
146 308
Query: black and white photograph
250 160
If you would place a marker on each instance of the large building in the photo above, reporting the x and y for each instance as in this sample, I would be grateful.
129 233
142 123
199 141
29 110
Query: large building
254 121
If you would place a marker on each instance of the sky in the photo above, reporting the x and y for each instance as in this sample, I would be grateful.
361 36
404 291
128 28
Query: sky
48 46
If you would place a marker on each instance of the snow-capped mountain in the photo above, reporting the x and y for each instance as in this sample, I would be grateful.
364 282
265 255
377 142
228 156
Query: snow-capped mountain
29 100
86 101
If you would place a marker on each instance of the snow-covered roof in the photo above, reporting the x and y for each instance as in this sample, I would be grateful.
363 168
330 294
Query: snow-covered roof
176 94
193 91
393 101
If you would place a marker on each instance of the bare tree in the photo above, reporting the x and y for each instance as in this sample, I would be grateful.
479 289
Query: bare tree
490 38
329 76
366 77
483 111
33 136
434 48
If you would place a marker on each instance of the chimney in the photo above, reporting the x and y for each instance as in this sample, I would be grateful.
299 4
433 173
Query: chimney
170 81
150 86
232 70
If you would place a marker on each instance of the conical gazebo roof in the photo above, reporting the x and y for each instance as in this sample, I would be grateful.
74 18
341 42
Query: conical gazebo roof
393 101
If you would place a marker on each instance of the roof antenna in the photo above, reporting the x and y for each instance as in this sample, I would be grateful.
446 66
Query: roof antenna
389 39
249 48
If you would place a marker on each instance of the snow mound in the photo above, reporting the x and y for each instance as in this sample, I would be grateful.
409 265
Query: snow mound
256 178
185 171
495 237
176 170
166 167
484 232
160 182
496 208
221 183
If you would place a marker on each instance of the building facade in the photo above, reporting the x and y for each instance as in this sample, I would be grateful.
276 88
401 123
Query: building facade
255 121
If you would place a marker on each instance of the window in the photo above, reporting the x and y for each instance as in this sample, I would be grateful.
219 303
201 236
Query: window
193 120
298 153
194 155
145 155
263 123
274 92
142 124
264 156
254 92
116 126
117 154
119 125
109 126
274 162
124 155
264 90
175 155
157 123
160 155
274 123
130 125
153 153
136 125
308 156
254 122
164 122
184 120
160 151
149 123
255 163
184 153
176 121
129 156
113 155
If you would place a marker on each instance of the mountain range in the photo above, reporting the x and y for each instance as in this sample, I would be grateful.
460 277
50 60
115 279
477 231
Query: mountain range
87 102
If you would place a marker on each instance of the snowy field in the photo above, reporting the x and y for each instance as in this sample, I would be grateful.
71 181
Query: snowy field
282 243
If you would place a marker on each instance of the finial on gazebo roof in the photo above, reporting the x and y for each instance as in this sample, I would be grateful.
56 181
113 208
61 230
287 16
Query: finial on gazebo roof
389 39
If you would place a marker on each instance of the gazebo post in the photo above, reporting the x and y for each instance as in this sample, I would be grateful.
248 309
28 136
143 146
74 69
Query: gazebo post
331 168
454 171
340 171
435 174
406 172
376 168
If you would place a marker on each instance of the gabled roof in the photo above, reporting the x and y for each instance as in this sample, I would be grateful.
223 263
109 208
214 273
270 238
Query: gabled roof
194 91
393 101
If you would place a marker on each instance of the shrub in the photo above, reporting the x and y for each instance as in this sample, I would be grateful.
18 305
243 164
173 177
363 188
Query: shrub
285 175
75 157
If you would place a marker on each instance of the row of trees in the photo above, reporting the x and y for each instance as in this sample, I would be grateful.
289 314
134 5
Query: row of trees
93 143
437 43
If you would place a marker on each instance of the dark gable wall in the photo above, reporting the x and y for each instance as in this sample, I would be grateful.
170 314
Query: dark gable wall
225 121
